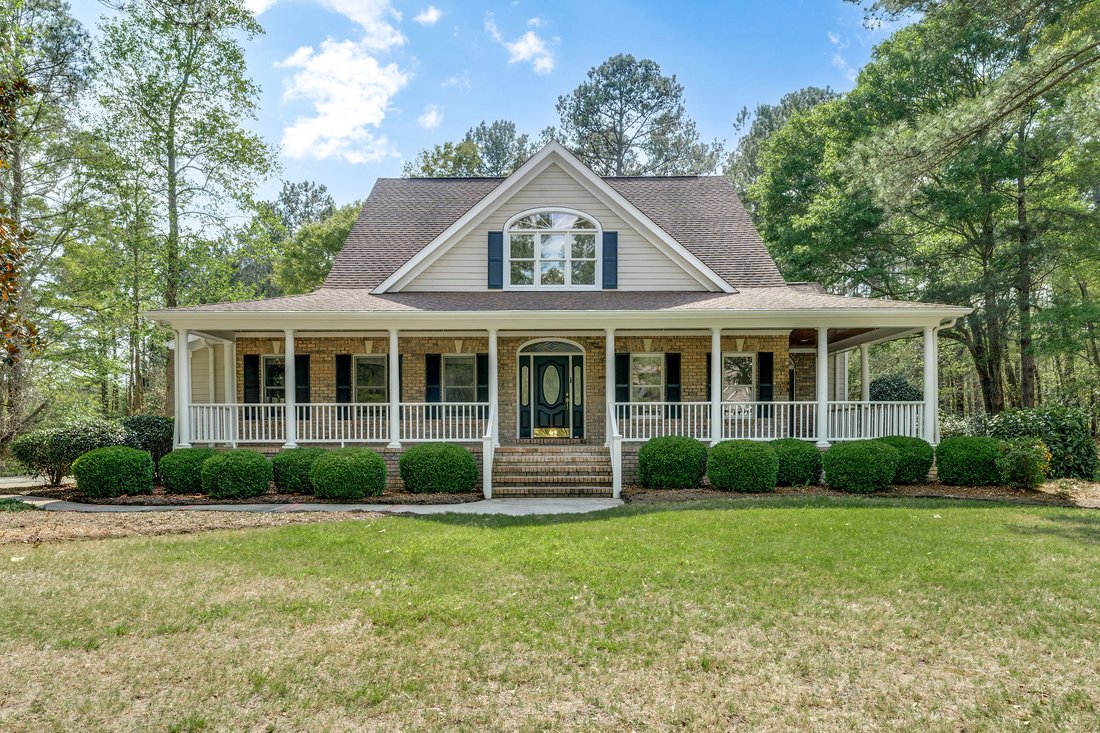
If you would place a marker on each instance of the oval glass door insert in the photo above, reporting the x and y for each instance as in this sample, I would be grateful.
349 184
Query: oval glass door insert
551 385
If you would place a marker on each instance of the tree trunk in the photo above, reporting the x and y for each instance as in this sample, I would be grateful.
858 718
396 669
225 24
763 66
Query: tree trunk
1028 369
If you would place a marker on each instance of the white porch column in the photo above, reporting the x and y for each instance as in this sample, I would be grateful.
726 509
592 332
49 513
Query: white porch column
395 391
229 372
715 385
931 403
291 389
864 372
494 387
823 387
608 379
183 386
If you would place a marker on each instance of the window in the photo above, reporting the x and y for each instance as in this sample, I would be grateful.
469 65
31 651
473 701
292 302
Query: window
459 378
647 377
274 379
370 379
738 378
552 249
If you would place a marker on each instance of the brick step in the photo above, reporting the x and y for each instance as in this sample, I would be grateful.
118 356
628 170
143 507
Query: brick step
552 471
511 480
503 492
525 463
556 450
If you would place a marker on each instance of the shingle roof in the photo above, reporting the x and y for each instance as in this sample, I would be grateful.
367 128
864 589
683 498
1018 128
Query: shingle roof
401 216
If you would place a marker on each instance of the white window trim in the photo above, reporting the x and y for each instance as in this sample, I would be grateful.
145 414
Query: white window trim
664 376
755 373
385 378
443 376
263 378
597 282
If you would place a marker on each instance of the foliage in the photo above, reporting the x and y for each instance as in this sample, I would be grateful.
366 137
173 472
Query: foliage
894 387
291 469
1024 463
860 466
672 462
114 471
1064 431
627 119
799 462
914 458
181 470
236 474
742 465
489 149
16 505
954 425
348 473
50 452
306 258
153 433
438 467
969 461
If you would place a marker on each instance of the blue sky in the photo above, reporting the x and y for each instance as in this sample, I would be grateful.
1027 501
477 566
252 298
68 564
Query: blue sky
353 88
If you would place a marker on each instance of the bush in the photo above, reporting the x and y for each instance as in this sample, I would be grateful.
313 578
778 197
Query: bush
1064 430
742 465
236 474
438 467
1024 463
152 433
914 458
969 461
799 462
291 469
348 473
673 462
952 426
114 471
50 452
860 466
894 387
181 470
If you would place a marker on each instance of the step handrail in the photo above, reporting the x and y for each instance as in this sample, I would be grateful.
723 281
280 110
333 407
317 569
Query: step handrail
615 445
488 441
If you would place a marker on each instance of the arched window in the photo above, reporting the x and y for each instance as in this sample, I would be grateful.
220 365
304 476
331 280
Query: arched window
555 249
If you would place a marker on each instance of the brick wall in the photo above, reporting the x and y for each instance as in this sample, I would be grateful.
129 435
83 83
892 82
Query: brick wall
805 376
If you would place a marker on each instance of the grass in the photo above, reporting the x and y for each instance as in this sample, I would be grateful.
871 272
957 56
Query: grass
16 505
766 614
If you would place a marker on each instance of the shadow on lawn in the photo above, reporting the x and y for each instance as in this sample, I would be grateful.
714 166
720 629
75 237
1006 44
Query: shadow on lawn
1083 526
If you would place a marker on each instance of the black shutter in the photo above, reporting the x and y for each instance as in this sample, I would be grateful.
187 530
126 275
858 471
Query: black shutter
481 370
301 379
672 384
343 378
765 381
610 260
432 385
622 377
251 378
496 260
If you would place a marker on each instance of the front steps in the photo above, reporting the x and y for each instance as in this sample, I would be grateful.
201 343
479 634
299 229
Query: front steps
551 470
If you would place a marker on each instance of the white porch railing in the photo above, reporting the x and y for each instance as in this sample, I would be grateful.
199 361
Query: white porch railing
640 421
238 423
768 420
488 448
434 421
343 423
858 420
615 445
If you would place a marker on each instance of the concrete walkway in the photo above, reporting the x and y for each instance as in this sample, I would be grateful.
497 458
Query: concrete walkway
507 507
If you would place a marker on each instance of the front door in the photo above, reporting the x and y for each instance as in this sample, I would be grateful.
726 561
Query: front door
551 392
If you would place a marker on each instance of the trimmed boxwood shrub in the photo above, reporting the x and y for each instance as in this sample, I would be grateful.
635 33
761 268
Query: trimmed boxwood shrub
894 387
742 465
438 468
291 469
1024 463
153 433
799 462
969 461
114 471
181 470
672 462
860 466
914 458
348 473
50 452
1064 431
236 474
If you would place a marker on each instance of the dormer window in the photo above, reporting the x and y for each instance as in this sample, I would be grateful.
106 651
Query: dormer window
553 249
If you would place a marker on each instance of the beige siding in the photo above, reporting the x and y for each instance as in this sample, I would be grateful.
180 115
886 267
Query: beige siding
641 265
200 375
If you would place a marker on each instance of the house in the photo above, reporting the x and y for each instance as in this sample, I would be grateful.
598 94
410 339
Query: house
552 321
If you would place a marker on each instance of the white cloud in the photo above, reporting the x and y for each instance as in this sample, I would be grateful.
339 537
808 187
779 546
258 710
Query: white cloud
431 118
350 91
461 81
428 16
528 47
536 22
838 59
374 17
258 7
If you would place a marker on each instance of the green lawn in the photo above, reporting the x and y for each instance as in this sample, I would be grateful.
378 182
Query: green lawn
770 614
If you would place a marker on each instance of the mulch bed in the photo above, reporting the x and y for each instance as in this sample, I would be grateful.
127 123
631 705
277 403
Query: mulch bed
160 498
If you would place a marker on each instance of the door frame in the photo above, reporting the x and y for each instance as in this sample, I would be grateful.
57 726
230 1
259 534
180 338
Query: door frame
521 354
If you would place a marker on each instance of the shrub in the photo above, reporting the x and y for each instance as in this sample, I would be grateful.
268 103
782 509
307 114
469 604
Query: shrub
181 470
50 452
152 433
348 473
438 467
969 461
672 462
952 426
799 462
114 471
1024 463
742 465
894 387
914 458
236 474
860 466
291 469
1064 430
